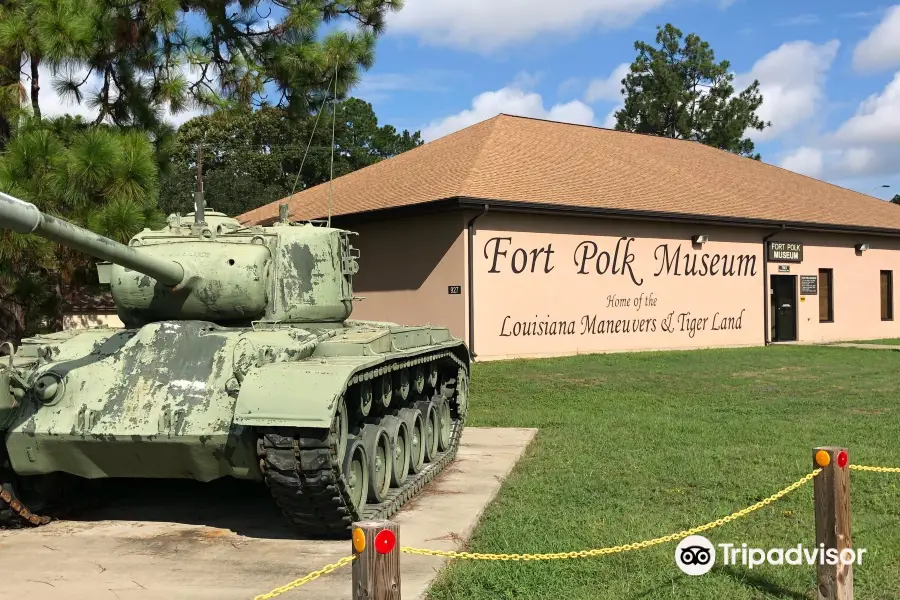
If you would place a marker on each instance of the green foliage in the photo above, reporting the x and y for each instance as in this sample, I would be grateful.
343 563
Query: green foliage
97 177
251 158
680 91
896 199
146 59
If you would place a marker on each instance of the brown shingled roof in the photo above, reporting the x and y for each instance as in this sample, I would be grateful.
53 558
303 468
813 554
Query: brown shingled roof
88 300
522 160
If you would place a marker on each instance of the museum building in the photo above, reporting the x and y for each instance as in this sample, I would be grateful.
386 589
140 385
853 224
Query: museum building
536 238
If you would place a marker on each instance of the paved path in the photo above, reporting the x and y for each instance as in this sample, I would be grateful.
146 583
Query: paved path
225 540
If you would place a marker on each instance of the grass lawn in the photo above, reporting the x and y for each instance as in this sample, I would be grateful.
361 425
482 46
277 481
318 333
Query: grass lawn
635 446
886 342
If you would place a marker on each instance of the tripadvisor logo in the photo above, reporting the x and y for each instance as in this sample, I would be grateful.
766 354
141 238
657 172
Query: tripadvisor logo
696 555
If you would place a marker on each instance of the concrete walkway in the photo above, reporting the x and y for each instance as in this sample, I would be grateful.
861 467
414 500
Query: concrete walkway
227 541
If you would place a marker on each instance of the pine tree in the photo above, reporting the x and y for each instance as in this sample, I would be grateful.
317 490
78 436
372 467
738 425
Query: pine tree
680 91
97 177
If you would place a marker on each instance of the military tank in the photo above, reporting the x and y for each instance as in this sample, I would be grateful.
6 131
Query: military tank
238 358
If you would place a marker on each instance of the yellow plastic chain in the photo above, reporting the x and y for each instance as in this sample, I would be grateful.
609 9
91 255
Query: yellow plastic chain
314 575
876 469
623 548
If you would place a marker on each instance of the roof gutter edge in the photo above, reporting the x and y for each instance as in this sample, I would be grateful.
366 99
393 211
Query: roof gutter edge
470 202
540 208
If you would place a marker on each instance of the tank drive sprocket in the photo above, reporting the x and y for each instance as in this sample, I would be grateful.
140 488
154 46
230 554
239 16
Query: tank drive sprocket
320 478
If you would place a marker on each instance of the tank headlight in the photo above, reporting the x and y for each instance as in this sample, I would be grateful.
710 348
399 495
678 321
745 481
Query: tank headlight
48 389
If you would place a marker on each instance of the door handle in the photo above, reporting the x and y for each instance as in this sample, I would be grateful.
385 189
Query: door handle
785 306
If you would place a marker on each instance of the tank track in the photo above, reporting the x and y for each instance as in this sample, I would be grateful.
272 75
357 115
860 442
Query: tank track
305 477
54 496
14 514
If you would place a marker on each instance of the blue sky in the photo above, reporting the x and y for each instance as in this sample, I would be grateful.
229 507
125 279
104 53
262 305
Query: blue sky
829 71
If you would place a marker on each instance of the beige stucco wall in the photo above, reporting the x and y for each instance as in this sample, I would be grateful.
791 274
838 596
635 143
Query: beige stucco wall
84 320
639 302
857 296
406 266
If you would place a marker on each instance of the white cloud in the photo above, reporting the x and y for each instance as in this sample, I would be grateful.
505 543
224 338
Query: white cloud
881 49
791 80
513 99
608 88
837 163
486 25
428 80
865 145
54 105
805 160
609 122
857 160
806 19
877 120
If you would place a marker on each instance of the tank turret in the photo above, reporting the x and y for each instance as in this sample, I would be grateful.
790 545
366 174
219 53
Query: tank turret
210 267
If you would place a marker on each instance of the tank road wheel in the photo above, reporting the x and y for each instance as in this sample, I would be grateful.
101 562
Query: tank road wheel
363 393
401 385
399 435
378 447
429 416
417 380
341 428
431 377
462 394
386 391
356 471
444 424
415 427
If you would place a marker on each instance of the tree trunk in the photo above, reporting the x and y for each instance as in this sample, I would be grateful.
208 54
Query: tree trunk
35 84
12 322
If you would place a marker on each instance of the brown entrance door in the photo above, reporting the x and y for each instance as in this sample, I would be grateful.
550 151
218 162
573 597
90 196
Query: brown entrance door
784 308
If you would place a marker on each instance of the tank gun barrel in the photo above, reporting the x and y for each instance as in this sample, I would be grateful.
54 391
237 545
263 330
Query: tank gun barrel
24 217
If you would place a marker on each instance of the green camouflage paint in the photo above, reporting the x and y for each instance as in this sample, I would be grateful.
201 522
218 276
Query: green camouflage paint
238 359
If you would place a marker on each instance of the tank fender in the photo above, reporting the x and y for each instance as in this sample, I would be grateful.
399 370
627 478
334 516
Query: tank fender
296 394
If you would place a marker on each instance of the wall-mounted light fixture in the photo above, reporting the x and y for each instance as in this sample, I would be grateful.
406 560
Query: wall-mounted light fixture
862 247
700 239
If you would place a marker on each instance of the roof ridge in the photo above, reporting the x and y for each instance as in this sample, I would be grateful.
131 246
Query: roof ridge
476 159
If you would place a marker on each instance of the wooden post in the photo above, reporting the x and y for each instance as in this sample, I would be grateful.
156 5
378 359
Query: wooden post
376 570
831 494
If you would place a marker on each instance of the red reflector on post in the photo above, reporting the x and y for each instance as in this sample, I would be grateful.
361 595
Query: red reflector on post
384 541
842 459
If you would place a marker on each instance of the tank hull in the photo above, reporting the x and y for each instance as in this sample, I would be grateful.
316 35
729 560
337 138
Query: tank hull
280 404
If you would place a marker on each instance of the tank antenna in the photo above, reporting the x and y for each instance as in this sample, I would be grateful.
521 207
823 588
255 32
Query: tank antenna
311 135
199 204
333 123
